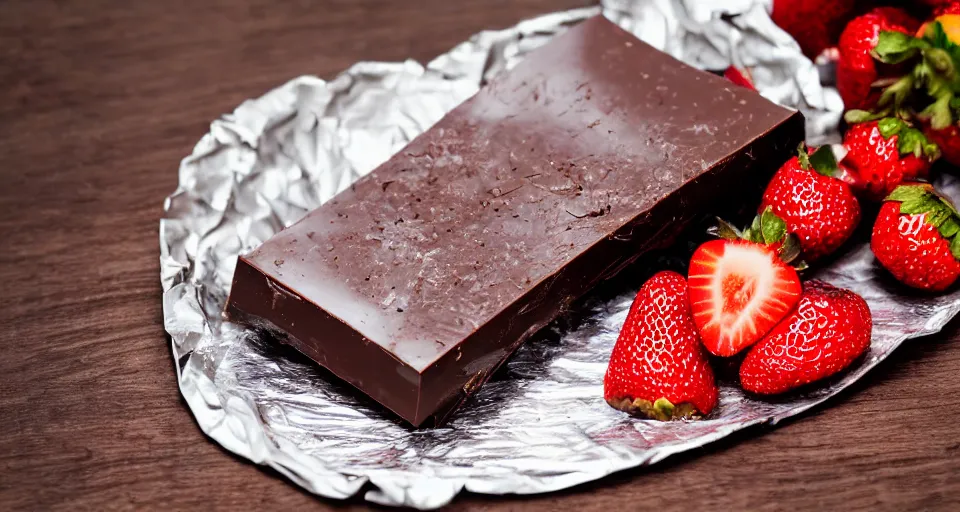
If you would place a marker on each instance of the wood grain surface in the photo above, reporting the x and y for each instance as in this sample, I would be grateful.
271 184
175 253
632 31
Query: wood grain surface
100 99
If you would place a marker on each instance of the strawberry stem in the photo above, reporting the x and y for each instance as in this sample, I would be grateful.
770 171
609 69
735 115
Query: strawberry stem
769 229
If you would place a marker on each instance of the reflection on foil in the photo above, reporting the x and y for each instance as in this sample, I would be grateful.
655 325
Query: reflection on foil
541 424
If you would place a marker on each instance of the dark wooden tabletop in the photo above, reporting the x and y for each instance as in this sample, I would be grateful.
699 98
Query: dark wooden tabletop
100 99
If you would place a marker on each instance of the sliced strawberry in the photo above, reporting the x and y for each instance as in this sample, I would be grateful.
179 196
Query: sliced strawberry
739 290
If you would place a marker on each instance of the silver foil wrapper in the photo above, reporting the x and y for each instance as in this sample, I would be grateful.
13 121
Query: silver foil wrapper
541 424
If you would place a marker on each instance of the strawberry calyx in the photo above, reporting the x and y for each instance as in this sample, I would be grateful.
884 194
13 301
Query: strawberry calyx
938 210
766 229
895 47
823 160
661 409
910 141
936 72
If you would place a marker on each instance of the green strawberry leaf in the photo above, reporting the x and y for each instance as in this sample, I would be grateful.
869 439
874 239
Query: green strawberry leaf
949 227
895 47
772 227
725 230
790 250
824 161
955 247
910 141
803 156
936 84
897 93
947 202
923 204
935 35
906 193
929 148
754 233
862 116
939 60
938 215
890 126
913 142
939 112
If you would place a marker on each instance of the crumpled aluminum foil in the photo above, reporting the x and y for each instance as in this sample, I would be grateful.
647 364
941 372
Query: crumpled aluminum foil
541 424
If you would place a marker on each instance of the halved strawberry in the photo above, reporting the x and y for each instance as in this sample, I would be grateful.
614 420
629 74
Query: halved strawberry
739 290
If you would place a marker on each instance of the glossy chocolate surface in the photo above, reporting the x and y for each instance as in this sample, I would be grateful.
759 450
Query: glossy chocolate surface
418 281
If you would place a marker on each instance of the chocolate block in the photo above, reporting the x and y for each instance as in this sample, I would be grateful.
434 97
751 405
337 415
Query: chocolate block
418 281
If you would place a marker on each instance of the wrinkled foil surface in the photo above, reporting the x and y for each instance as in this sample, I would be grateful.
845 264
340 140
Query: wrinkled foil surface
541 423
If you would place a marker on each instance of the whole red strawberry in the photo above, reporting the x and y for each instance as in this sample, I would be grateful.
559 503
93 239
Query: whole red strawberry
829 330
819 208
658 367
815 24
883 154
916 238
856 68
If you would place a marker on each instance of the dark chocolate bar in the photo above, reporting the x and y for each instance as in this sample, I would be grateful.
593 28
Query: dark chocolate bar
419 280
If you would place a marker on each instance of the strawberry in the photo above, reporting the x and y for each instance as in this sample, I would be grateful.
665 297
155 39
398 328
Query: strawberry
827 332
947 140
857 71
740 76
658 367
942 117
938 6
815 24
883 154
942 7
917 238
819 208
740 289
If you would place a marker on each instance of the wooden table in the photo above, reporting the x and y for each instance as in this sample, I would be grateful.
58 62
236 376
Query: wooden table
100 99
